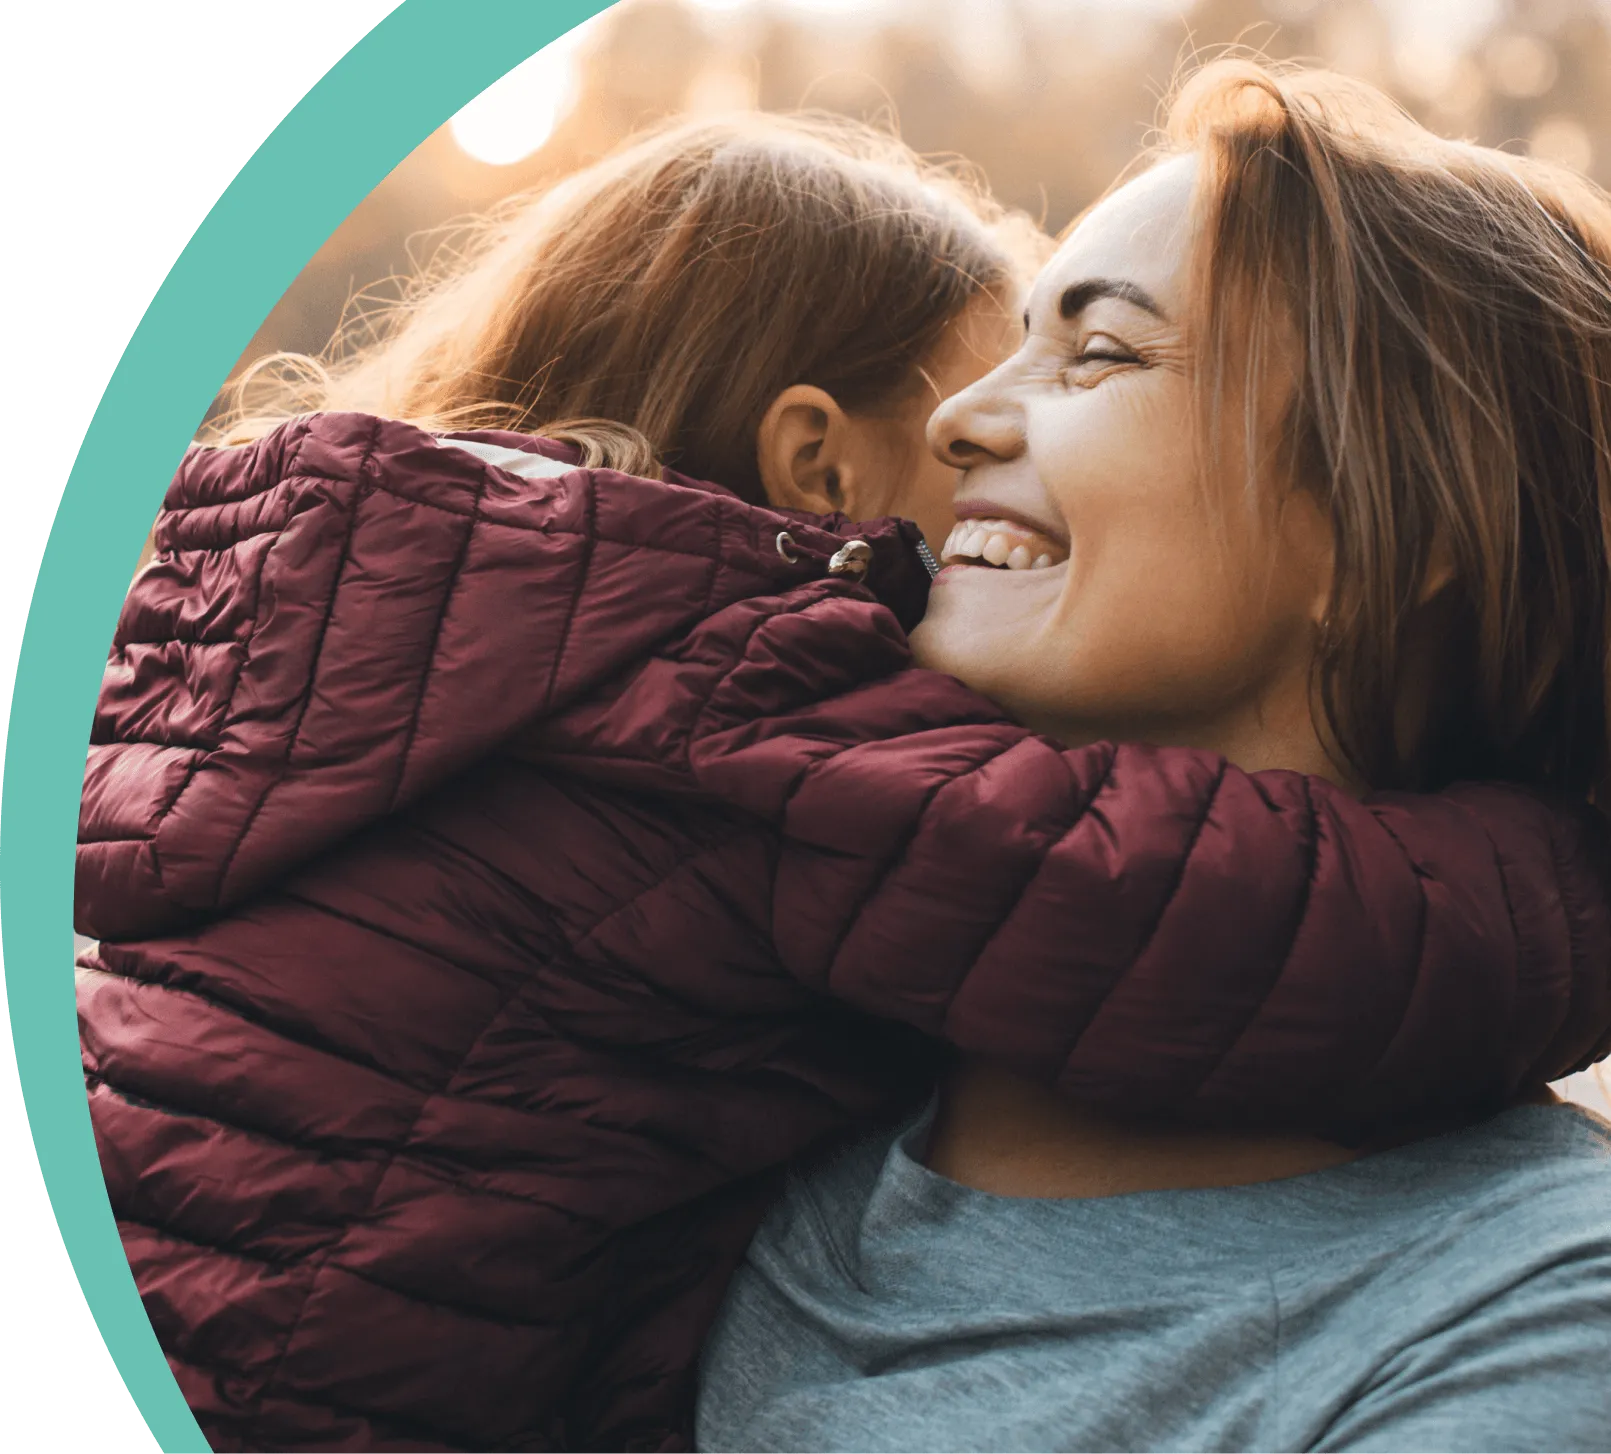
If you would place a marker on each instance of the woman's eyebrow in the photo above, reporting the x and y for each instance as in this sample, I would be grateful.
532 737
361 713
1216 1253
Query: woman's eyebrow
1079 296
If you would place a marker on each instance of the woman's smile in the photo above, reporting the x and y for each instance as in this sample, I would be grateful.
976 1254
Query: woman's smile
1002 543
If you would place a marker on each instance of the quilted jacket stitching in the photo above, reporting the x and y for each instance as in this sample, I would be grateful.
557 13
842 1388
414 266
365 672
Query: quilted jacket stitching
294 470
1005 918
446 1304
1417 964
357 1220
1156 918
897 860
589 547
572 942
358 921
323 1404
684 863
229 703
718 522
297 1037
291 1262
522 891
462 556
365 1155
429 1165
89 839
383 1170
1305 895
355 509
803 604
1569 918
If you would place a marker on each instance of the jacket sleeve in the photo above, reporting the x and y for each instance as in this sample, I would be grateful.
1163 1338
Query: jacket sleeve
1148 928
343 615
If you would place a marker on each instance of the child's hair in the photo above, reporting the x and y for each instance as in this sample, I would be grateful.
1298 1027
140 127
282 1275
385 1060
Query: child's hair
1444 311
649 307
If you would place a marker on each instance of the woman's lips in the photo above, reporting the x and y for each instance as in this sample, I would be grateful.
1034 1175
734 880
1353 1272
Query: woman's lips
1005 544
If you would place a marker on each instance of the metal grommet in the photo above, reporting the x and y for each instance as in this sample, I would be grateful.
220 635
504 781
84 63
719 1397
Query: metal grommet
851 560
785 545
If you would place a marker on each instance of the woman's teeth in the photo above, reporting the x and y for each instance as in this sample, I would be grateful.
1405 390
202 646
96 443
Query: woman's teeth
1001 543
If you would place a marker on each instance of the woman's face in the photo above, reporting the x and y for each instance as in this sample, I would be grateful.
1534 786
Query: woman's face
1096 584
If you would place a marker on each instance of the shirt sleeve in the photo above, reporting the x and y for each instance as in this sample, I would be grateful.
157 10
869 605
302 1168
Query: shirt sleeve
1526 1369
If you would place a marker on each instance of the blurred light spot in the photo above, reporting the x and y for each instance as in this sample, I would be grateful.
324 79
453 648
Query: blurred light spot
987 47
1562 140
860 8
1351 40
1522 65
518 112
1427 39
1290 11
1426 67
1460 100
721 88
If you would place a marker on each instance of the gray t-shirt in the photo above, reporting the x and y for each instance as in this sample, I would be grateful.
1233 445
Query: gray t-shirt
1453 1294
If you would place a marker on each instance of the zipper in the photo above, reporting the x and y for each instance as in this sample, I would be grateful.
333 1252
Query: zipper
852 559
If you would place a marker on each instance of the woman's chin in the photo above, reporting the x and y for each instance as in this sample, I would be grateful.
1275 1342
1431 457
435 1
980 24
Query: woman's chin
992 656
980 622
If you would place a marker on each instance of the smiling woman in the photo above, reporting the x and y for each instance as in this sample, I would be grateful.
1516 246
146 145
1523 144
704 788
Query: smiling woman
1305 459
1406 578
1170 616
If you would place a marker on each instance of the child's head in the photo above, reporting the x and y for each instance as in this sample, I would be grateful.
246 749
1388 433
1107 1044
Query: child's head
768 302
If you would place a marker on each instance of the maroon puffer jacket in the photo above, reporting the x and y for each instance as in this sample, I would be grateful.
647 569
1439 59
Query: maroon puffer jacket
499 880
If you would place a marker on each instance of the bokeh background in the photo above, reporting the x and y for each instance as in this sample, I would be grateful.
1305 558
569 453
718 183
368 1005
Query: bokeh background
1049 98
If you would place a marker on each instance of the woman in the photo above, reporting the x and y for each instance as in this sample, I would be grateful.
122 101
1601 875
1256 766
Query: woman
1381 562
504 872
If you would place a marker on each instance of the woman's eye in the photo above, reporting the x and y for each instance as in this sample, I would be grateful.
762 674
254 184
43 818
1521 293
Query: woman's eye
1099 354
1099 348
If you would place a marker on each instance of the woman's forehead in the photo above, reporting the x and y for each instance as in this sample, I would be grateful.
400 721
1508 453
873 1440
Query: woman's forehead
1140 235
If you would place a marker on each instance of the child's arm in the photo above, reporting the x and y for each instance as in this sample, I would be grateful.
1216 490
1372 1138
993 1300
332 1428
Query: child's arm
1148 928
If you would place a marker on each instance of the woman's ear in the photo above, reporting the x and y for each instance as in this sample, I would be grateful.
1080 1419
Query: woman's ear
803 448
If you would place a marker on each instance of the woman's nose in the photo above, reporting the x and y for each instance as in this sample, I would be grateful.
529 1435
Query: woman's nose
978 424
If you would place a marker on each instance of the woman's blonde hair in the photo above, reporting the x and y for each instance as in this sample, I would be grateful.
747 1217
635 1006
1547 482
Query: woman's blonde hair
1444 311
651 306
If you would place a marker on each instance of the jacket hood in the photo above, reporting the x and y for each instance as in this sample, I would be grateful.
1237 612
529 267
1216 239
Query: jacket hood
346 613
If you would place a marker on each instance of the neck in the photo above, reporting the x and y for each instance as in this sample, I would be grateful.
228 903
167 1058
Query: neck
1273 731
999 1133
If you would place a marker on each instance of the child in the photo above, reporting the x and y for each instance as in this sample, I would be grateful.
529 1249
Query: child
504 873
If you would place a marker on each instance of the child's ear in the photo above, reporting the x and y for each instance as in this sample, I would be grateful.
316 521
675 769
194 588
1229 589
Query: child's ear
802 449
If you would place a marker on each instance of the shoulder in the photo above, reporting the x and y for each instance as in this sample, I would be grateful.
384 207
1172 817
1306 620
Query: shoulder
1531 1176
1497 1333
343 459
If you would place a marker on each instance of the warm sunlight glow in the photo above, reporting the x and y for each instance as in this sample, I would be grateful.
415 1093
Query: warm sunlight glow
518 112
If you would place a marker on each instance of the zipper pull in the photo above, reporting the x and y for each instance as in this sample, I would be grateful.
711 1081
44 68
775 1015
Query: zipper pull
851 560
